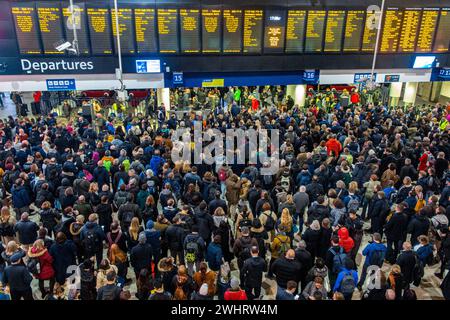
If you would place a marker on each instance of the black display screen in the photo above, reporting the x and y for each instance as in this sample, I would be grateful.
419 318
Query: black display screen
190 30
144 22
126 30
334 30
295 31
211 30
75 18
49 17
100 30
442 40
232 31
274 31
25 22
314 30
354 26
168 30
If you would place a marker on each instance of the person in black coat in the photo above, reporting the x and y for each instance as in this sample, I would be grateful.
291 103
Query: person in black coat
378 212
311 236
286 268
104 212
252 272
407 260
18 278
49 217
395 230
204 222
141 255
101 175
418 226
318 211
325 238
305 259
216 203
175 234
64 253
27 230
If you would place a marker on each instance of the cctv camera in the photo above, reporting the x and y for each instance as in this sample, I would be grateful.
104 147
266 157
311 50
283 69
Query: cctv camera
64 46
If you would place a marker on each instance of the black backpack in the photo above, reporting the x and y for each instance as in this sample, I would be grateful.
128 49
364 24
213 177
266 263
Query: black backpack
377 258
33 266
127 217
246 244
270 223
90 241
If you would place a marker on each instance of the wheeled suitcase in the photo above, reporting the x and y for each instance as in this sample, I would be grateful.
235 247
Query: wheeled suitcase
23 110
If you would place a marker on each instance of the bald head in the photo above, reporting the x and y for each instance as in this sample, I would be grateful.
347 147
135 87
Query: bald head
24 216
407 246
290 254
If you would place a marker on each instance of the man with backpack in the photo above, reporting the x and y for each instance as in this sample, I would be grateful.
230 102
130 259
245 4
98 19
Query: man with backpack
110 291
346 280
334 258
127 212
194 246
92 237
280 245
242 247
375 253
252 272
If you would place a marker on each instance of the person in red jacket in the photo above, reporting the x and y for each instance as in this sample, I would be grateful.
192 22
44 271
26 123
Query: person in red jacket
46 271
235 292
333 146
345 241
354 98
423 161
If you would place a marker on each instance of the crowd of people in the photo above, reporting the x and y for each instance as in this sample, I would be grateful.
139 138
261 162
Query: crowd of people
91 210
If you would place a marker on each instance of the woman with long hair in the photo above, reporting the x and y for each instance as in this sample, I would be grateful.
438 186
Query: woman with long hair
133 232
396 281
119 258
45 272
7 222
287 222
144 285
150 211
94 198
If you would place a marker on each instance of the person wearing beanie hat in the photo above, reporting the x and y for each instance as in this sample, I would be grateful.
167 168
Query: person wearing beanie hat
235 292
141 255
258 232
154 240
202 293
18 278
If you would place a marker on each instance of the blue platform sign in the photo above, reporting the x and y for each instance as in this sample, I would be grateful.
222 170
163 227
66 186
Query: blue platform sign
440 74
61 85
310 76
361 77
177 78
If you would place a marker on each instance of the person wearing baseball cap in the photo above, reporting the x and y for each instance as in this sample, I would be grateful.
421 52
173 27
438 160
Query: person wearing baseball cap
17 277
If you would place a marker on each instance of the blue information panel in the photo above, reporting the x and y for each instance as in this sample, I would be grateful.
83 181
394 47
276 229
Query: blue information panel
361 77
311 76
392 78
177 78
440 74
61 85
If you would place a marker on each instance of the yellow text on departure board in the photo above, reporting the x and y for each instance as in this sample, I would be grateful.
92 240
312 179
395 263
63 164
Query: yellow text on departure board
143 19
427 30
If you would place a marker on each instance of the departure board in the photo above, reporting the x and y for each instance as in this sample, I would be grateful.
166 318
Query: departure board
49 17
168 30
76 20
334 30
126 31
190 30
232 31
441 43
295 31
370 33
354 26
410 26
211 22
391 30
314 30
274 31
100 30
427 29
144 23
26 28
253 28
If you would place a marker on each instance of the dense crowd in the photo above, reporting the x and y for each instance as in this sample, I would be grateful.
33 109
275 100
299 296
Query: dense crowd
90 209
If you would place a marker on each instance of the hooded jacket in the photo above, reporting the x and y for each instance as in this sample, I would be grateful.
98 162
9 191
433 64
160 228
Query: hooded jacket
344 240
252 271
45 261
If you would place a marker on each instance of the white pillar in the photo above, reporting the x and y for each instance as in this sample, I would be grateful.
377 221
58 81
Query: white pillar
298 93
395 92
409 97
163 95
